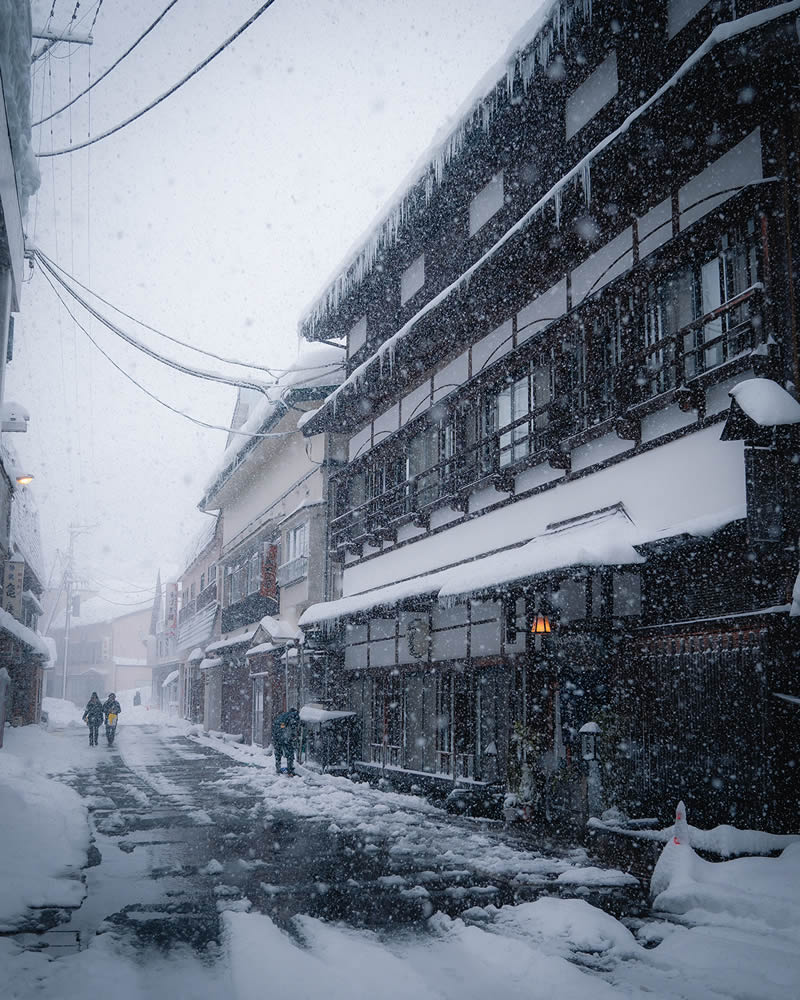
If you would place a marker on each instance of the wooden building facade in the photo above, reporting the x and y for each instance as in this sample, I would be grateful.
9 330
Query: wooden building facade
553 512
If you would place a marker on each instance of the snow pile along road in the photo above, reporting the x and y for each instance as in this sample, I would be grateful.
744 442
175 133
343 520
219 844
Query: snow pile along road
44 832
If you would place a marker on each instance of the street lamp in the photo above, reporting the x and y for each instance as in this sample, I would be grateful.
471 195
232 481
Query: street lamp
541 625
24 479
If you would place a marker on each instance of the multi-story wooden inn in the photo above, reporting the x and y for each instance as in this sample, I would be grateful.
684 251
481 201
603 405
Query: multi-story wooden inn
571 493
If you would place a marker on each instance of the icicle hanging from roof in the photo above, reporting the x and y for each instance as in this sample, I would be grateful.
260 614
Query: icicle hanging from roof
480 115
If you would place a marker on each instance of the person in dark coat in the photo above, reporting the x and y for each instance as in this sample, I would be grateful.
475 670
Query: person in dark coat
285 730
93 717
137 699
111 707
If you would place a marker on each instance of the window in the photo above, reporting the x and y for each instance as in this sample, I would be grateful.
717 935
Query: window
486 203
521 413
253 573
357 337
202 582
592 95
422 457
694 318
444 723
680 13
412 279
212 573
192 592
297 542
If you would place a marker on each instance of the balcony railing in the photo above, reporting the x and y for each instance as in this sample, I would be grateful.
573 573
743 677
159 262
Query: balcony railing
203 599
292 571
703 351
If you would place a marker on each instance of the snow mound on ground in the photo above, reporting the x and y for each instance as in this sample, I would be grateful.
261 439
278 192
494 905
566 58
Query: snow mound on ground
61 713
44 831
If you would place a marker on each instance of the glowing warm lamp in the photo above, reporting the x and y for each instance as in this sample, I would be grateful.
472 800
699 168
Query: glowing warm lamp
24 479
541 625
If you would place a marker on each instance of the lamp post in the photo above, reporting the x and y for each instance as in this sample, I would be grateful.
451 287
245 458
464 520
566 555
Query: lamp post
589 734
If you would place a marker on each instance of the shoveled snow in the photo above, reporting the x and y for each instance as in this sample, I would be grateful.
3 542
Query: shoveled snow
766 402
44 833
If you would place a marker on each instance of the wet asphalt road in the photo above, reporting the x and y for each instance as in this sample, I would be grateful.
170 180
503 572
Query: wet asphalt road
176 840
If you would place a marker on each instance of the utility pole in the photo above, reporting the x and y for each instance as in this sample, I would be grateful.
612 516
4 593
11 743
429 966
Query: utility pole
52 38
69 582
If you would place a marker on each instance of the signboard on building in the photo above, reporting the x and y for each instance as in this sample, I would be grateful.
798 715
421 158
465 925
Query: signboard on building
171 619
13 582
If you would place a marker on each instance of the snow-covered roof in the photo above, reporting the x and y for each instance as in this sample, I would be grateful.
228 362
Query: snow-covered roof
314 713
579 174
202 539
318 366
172 676
262 647
232 640
766 403
529 49
281 630
32 599
209 662
36 642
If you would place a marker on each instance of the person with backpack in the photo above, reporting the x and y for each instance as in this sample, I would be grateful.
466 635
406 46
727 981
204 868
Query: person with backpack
285 730
93 717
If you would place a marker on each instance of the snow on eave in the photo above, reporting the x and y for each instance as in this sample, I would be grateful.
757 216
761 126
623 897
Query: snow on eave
530 47
317 369
766 403
580 173
36 642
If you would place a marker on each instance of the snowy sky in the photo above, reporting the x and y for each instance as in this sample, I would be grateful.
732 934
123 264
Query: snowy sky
215 218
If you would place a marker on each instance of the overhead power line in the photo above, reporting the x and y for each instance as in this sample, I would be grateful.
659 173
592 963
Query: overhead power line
113 66
240 383
147 392
270 370
200 66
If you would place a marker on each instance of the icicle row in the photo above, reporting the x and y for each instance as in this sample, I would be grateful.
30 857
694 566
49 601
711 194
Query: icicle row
525 62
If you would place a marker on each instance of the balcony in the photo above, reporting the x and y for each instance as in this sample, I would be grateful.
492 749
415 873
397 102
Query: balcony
203 599
248 610
677 367
292 571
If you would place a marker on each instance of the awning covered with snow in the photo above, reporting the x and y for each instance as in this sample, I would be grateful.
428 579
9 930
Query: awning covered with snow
35 642
262 647
232 640
606 539
389 597
315 713
170 678
208 663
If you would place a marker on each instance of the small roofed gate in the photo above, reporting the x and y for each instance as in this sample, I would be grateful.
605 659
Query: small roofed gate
690 722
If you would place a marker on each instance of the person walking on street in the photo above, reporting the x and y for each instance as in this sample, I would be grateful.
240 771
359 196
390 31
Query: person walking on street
111 710
285 730
93 717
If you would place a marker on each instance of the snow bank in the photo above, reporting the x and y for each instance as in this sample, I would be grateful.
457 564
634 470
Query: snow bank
62 714
44 831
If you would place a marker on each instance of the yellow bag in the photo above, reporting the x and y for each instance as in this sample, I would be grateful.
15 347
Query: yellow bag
112 718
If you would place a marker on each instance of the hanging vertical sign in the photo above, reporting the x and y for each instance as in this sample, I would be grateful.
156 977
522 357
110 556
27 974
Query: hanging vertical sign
13 581
171 622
